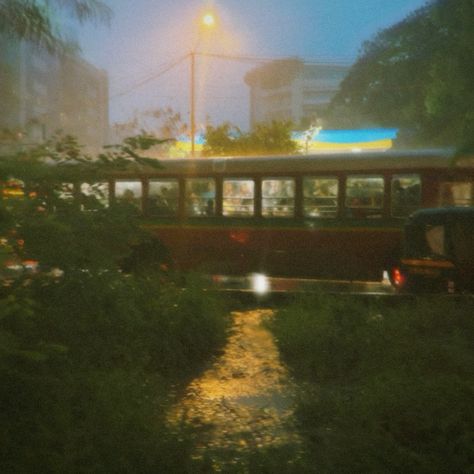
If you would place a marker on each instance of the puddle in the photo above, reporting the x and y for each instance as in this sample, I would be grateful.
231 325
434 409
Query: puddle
245 400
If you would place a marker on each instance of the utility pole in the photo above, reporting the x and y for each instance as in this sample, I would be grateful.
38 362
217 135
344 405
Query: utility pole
192 106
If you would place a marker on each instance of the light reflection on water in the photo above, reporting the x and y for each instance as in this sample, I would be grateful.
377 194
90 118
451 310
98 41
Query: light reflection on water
245 400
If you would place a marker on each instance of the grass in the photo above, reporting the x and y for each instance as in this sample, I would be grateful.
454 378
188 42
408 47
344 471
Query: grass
388 388
88 365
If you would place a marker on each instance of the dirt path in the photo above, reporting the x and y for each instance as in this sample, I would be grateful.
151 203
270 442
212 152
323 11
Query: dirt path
245 400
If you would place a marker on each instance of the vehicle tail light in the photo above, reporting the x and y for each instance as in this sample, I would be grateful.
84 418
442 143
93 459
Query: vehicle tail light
397 277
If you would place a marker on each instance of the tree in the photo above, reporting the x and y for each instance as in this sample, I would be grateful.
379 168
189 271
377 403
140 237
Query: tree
93 351
418 75
32 20
42 222
265 139
162 121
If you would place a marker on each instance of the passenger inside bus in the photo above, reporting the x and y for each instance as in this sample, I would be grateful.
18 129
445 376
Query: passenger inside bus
278 197
163 198
238 197
364 196
160 205
406 195
200 197
321 197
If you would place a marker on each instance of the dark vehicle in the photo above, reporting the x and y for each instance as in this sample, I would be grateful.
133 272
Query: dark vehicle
438 251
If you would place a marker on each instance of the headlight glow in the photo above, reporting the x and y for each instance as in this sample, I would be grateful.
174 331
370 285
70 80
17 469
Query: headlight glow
260 283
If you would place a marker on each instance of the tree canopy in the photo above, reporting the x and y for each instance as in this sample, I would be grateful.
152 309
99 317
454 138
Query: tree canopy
34 20
419 75
265 139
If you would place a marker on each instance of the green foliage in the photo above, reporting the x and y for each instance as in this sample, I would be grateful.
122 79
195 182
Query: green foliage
89 359
387 388
73 240
165 122
281 459
265 139
54 230
87 363
32 20
418 75
61 158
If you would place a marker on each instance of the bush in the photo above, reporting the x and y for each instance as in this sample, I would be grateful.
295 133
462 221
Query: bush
388 388
88 359
87 363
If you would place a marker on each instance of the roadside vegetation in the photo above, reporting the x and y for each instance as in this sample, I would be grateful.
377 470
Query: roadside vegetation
386 388
266 139
416 75
90 356
36 21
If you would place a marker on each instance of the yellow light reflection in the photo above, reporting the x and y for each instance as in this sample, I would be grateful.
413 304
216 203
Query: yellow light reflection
245 400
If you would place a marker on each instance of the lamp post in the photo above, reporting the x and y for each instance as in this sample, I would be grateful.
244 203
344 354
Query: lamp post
192 107
207 21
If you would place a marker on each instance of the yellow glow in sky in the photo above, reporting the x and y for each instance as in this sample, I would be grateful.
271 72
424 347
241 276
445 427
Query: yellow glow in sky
209 19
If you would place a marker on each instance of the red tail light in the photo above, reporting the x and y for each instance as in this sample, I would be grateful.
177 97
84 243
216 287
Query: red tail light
398 278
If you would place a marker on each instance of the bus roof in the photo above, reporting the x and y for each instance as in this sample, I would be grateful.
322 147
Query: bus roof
329 162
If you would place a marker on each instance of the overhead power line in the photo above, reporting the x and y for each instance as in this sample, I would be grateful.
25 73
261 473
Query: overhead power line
150 78
262 59
251 59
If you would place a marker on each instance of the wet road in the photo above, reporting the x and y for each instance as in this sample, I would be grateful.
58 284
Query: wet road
245 400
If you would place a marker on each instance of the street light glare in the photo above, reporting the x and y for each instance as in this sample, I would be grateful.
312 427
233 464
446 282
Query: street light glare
209 20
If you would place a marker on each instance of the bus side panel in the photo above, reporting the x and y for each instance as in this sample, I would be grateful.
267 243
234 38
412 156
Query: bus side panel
287 252
328 253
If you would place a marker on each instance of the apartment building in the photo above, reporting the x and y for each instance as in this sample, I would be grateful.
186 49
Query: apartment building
41 94
291 89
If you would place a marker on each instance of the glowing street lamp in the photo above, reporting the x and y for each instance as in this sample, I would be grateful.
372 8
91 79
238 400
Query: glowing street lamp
207 21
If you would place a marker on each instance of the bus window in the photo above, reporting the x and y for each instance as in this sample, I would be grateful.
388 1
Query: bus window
163 197
238 197
94 193
65 195
364 196
129 192
278 197
65 191
320 197
457 193
406 194
200 197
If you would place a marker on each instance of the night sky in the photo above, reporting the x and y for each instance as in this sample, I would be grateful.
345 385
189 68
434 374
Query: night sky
146 37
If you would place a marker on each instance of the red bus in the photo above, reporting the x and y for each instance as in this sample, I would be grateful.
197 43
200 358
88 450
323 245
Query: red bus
331 216
326 216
